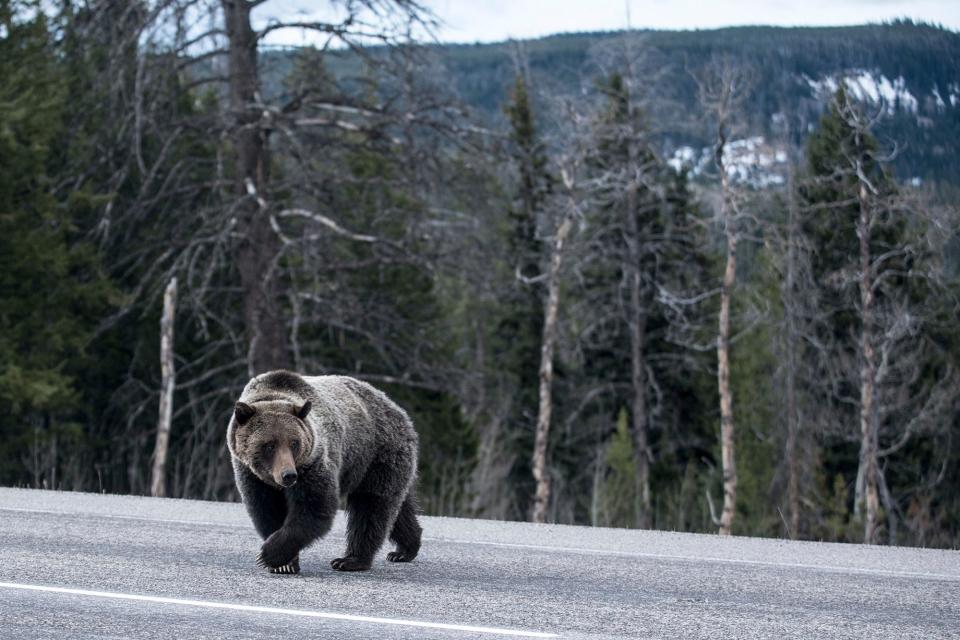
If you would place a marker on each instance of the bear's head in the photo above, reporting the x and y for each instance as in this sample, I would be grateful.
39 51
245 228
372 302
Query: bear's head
273 440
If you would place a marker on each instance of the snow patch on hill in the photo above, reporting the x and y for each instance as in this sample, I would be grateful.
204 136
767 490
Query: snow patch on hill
870 87
748 161
941 105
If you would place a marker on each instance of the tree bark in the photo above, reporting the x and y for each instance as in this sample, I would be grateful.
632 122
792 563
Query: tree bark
728 460
868 374
158 481
266 335
48 427
726 399
637 321
541 498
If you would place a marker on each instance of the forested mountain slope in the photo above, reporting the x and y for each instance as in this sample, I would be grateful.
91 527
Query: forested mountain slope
910 71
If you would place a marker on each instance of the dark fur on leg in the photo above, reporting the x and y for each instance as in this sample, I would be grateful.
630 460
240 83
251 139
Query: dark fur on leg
311 507
367 518
266 505
406 532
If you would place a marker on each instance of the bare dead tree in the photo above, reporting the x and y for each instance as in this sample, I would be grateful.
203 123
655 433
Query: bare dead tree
868 367
266 333
892 284
723 369
541 498
722 89
168 376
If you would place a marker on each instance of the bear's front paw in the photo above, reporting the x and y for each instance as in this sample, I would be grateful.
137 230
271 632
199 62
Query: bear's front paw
292 568
350 563
276 553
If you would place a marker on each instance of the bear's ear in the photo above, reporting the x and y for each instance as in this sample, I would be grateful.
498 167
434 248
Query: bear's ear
303 411
243 412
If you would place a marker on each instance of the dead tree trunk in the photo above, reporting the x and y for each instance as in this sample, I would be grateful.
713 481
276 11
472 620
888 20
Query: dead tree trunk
158 481
722 90
868 374
541 498
726 399
266 335
53 450
723 350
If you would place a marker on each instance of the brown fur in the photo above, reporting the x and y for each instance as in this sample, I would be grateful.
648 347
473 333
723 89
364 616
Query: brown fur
272 439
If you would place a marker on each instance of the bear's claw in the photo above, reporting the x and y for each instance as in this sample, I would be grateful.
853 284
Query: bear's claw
349 563
400 556
290 568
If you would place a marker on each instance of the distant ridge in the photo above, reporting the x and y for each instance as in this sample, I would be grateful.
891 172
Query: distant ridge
911 66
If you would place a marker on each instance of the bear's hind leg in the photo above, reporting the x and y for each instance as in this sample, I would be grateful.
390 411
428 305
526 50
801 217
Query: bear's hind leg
368 517
406 532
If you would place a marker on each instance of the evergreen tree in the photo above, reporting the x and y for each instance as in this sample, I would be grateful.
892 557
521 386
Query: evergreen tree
641 243
519 328
52 290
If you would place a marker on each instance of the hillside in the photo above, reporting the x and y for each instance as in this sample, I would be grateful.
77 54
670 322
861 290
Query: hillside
907 70
911 68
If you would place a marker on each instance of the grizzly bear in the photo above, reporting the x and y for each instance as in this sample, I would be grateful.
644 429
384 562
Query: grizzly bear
300 442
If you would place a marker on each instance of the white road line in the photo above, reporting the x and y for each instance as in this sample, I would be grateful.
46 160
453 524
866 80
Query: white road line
275 610
555 548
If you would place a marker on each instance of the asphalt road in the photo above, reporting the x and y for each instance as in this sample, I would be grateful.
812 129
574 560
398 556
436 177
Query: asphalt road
92 566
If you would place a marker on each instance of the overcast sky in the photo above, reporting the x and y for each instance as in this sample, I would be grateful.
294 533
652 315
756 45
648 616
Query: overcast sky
492 20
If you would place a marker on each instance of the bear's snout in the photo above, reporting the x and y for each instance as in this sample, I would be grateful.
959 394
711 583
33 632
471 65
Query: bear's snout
288 478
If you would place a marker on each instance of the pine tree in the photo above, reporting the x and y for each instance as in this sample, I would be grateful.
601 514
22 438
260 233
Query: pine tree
52 290
519 328
640 243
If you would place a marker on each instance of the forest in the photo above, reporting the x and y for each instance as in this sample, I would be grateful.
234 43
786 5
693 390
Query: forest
661 280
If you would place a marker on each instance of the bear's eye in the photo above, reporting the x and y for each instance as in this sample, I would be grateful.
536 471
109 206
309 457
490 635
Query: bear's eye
269 447
295 445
